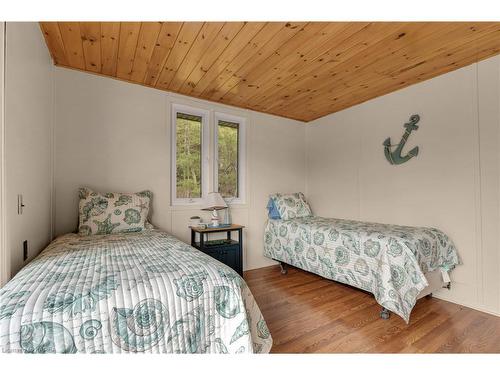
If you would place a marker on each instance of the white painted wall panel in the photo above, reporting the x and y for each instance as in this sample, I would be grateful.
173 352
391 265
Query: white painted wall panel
4 253
28 140
488 267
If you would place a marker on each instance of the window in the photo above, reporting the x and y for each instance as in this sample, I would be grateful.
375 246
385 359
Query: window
199 166
188 155
229 161
227 158
189 168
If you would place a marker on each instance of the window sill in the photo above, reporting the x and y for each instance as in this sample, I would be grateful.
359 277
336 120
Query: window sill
195 207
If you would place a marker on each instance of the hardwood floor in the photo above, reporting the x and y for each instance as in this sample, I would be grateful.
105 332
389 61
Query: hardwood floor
309 314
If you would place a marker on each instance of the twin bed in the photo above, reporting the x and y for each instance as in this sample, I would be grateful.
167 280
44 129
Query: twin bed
128 292
397 264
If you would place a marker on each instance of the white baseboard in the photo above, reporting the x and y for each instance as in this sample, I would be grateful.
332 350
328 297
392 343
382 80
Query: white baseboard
469 305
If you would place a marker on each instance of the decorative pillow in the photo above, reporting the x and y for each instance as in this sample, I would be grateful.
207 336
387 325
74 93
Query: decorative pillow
291 206
273 212
112 212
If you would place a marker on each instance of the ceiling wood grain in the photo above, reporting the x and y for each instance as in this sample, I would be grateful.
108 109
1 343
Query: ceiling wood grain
298 70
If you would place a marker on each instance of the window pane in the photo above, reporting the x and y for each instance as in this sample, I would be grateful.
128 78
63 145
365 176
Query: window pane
228 137
188 156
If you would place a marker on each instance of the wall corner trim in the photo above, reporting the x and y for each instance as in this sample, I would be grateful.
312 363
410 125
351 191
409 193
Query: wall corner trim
4 254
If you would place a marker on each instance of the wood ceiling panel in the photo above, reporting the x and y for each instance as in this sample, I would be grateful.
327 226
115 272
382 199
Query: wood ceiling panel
484 47
145 46
328 76
230 35
306 77
54 41
269 49
164 44
213 82
370 73
297 70
72 40
359 72
110 37
206 36
284 56
91 43
317 55
185 39
129 36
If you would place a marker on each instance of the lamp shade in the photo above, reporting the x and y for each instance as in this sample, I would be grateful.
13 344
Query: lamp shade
215 202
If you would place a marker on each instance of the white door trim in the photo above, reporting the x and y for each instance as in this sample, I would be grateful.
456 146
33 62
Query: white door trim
4 255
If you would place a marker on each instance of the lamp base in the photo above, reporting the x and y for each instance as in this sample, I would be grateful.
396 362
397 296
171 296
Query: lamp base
215 219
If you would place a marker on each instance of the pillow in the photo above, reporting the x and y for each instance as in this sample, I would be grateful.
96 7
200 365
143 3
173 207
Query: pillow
112 212
291 206
273 212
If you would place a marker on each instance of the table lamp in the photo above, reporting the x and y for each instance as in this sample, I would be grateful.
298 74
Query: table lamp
215 203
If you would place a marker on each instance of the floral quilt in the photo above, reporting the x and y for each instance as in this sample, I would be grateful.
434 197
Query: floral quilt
387 260
129 293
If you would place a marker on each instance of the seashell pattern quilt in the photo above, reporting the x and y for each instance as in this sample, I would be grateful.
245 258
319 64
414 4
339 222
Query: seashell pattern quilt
387 260
129 293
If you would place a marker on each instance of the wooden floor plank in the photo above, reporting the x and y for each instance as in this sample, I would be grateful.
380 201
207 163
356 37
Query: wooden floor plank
306 313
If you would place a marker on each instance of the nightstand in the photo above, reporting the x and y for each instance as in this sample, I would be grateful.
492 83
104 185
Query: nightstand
227 251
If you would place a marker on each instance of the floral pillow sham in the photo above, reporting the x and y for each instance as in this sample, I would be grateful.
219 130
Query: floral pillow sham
106 213
291 206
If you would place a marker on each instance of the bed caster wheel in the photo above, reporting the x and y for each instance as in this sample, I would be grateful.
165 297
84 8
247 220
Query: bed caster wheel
284 269
385 314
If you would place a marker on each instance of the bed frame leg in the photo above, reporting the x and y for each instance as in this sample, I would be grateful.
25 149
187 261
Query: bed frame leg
385 314
284 269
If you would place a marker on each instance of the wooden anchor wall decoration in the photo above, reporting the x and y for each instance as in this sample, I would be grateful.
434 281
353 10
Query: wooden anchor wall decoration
395 157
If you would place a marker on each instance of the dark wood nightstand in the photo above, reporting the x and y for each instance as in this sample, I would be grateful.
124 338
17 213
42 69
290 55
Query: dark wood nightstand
227 251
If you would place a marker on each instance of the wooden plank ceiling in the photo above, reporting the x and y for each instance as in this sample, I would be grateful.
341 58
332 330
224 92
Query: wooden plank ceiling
298 70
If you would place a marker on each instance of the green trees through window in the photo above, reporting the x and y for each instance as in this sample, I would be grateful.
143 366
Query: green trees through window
228 140
191 147
188 155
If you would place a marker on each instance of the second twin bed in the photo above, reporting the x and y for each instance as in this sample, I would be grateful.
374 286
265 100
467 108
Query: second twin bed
397 264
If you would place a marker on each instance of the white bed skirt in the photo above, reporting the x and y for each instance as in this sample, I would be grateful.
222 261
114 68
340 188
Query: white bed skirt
436 282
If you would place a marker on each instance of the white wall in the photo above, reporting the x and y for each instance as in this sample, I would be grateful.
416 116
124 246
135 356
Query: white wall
114 136
28 140
453 184
4 256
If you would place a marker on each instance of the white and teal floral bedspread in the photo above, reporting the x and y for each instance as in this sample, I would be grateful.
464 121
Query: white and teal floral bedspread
387 260
133 292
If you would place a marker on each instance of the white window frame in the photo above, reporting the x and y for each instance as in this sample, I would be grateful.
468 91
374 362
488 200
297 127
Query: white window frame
205 162
220 116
